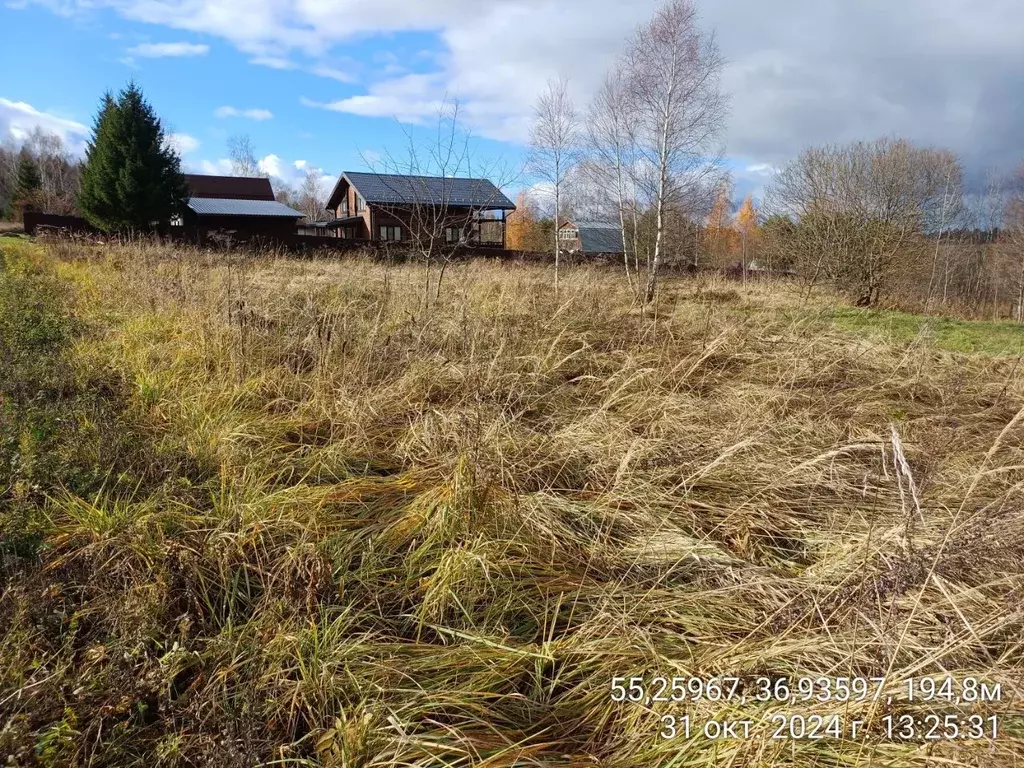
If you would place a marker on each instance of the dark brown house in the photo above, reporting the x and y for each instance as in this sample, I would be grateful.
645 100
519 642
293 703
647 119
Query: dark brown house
397 208
233 203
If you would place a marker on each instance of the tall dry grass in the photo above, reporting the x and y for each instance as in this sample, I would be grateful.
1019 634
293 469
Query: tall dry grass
376 534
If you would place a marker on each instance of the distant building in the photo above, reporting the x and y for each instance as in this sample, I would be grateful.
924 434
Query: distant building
397 208
590 237
239 204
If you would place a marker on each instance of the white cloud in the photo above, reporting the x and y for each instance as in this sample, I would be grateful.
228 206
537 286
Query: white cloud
411 99
162 50
251 114
274 62
182 143
220 167
333 73
18 119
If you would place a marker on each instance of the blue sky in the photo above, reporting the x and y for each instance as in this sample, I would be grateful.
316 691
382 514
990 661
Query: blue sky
330 83
207 90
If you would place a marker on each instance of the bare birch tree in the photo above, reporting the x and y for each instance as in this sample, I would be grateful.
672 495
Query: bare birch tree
243 157
311 196
611 139
554 147
674 77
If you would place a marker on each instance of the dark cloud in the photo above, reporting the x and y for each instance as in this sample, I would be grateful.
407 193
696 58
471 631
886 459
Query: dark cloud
946 73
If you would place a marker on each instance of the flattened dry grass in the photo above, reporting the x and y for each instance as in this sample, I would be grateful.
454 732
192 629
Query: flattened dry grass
385 536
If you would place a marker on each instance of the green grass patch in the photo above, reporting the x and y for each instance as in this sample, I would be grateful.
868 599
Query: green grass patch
967 336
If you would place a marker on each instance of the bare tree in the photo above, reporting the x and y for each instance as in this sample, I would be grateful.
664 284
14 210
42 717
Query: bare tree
58 172
311 196
1012 248
554 148
674 72
243 157
436 222
871 214
612 141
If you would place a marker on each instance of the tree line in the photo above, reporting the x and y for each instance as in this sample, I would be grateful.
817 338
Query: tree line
882 222
40 175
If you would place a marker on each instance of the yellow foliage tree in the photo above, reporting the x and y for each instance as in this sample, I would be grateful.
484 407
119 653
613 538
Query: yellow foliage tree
747 227
746 219
522 224
720 236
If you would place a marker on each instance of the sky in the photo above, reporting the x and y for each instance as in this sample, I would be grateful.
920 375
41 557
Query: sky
338 85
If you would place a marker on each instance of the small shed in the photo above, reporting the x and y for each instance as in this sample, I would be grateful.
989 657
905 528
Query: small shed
242 204
264 217
591 237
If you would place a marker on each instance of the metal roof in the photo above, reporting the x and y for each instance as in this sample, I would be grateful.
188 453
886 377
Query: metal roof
213 206
596 237
394 189
223 187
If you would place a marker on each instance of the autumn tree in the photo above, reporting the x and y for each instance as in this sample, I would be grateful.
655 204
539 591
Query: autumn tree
522 231
554 147
719 233
748 230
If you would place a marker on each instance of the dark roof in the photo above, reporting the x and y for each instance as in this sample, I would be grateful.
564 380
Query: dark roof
225 187
211 206
393 189
334 223
597 237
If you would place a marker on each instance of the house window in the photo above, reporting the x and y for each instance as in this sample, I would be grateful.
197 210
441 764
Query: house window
567 234
343 210
360 203
393 234
453 235
177 221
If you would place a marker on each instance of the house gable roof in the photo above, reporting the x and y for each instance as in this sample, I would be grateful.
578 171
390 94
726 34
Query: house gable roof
228 187
394 189
212 206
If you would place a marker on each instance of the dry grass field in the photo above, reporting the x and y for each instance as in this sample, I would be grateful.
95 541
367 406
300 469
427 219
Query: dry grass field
260 511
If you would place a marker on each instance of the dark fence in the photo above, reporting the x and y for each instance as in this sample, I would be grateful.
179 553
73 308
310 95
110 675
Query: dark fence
37 223
48 223
218 239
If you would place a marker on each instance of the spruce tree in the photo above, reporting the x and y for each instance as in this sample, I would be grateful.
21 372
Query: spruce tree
132 179
28 189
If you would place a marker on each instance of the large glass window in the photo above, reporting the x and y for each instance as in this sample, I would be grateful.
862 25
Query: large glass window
393 234
360 203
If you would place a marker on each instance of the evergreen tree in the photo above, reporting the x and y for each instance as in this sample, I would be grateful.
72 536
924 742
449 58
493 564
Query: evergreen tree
132 179
28 190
